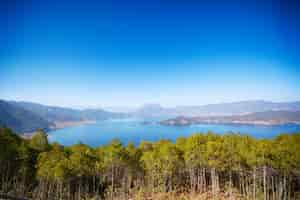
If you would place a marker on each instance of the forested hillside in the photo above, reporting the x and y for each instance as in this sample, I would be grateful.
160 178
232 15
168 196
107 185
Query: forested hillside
28 117
50 113
230 166
61 114
20 119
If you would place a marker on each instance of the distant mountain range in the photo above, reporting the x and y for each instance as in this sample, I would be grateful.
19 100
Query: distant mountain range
27 117
258 118
20 119
152 110
222 109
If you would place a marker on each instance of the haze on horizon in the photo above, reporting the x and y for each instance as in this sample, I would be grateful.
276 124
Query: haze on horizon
116 53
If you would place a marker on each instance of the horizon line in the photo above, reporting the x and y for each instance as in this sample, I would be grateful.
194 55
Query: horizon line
142 104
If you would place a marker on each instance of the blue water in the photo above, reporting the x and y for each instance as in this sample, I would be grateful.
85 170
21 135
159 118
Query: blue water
133 130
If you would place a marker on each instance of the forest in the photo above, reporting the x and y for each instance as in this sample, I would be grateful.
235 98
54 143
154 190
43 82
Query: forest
207 165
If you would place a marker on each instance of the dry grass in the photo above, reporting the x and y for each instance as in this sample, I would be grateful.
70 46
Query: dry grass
185 196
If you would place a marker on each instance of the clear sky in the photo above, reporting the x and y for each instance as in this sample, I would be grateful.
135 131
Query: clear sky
116 53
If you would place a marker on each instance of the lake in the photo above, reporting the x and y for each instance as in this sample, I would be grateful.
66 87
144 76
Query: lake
134 130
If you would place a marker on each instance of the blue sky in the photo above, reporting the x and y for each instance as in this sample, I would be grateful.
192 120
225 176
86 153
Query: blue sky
116 53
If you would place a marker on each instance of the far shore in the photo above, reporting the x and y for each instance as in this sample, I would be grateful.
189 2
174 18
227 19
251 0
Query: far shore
236 122
65 124
60 125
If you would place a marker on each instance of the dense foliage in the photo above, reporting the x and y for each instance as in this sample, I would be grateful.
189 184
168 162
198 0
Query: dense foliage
232 164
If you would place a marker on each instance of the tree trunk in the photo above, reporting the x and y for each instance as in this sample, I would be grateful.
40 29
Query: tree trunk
265 182
112 182
230 184
254 183
213 181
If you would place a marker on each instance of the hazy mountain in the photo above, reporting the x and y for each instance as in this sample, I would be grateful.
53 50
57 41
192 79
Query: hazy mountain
236 108
19 119
152 110
280 116
27 116
100 114
50 113
54 113
258 118
221 109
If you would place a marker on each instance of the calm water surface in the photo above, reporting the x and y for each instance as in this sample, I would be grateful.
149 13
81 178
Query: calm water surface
135 131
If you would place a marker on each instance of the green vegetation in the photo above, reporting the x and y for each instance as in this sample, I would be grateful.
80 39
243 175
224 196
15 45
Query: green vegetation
232 165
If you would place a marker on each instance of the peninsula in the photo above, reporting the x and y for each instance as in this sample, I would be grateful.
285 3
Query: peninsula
267 118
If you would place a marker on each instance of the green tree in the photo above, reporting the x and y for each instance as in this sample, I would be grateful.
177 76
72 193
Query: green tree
39 141
196 160
53 171
114 163
162 165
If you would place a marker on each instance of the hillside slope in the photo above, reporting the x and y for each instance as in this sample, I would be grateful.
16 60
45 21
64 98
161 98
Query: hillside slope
27 117
19 119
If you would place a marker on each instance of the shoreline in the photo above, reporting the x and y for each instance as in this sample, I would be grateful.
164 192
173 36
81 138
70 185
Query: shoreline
60 125
257 123
66 124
